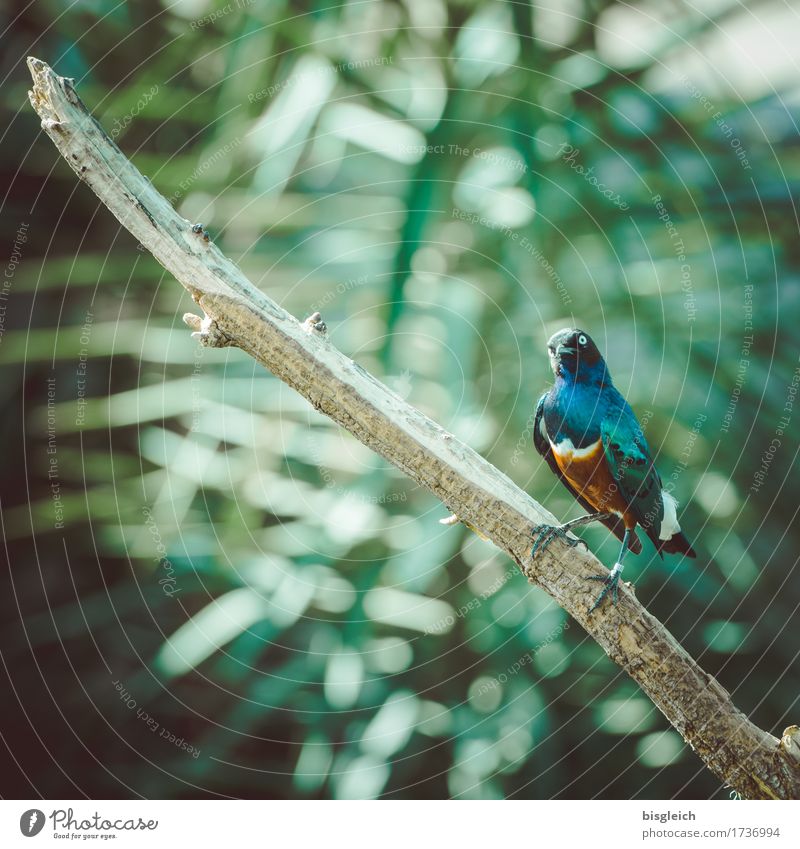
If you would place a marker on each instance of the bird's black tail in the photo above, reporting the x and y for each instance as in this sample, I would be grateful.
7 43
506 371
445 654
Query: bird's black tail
676 544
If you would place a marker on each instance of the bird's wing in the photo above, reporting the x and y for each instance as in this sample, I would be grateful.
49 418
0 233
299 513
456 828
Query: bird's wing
632 466
541 442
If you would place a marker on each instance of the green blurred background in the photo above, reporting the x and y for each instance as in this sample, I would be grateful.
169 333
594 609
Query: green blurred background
212 590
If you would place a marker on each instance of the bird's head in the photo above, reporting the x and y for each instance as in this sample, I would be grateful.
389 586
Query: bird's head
572 352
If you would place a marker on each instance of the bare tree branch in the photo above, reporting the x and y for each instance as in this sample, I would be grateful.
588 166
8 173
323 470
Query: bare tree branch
753 762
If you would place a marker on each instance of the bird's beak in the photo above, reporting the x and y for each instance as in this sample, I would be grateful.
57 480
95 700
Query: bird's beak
563 349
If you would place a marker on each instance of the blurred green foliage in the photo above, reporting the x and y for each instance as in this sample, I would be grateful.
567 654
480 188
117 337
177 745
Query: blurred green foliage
243 600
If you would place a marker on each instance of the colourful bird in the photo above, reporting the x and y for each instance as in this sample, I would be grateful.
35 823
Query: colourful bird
594 444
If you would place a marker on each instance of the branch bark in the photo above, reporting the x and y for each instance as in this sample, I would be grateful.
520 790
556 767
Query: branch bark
748 759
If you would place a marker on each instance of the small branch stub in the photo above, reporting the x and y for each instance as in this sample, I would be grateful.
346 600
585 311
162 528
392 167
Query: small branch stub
315 325
208 331
790 745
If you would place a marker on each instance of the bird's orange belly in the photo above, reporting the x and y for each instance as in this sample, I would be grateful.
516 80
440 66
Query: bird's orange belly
587 470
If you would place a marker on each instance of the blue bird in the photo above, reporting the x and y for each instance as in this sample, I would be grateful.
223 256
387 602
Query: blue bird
594 444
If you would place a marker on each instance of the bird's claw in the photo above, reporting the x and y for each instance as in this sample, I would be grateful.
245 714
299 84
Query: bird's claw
610 583
545 534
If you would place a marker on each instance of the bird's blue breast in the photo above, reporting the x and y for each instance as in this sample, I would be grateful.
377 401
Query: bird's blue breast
574 410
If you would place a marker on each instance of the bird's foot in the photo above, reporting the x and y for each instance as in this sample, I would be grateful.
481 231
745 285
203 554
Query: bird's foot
545 534
610 586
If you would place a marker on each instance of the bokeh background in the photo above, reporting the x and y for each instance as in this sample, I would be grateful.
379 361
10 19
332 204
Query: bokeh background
213 591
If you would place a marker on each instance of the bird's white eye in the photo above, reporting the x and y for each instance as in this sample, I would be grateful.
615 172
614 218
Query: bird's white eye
581 339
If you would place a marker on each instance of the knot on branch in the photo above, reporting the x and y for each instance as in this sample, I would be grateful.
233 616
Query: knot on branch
790 745
210 334
315 325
